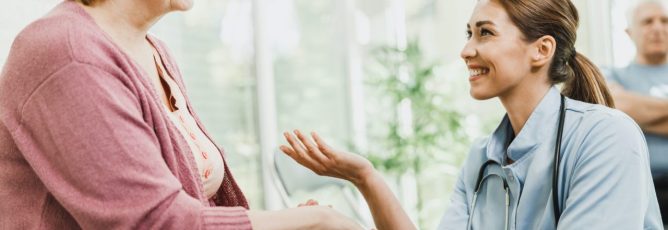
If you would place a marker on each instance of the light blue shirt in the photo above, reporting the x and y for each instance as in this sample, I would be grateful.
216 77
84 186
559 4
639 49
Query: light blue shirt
604 179
650 81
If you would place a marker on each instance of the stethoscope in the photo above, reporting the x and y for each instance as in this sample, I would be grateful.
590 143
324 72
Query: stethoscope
555 176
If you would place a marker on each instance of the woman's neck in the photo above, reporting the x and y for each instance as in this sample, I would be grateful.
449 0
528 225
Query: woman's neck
521 101
126 21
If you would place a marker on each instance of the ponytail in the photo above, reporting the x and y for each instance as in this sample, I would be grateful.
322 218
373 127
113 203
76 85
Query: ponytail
587 83
559 19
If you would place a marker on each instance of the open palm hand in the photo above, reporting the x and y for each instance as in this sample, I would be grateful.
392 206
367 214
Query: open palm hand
324 160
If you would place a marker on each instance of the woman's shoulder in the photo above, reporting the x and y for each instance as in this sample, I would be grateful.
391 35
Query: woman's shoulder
64 42
600 127
600 114
43 42
64 35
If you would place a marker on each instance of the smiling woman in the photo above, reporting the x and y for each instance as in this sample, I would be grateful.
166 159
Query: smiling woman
594 156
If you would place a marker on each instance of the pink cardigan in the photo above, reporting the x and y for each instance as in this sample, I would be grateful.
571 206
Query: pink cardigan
84 142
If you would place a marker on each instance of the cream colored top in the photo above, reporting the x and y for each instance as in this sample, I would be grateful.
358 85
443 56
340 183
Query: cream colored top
207 156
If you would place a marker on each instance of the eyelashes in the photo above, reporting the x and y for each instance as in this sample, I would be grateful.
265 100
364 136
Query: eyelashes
483 33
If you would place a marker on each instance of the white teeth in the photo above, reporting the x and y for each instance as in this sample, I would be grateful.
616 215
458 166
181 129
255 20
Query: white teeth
478 71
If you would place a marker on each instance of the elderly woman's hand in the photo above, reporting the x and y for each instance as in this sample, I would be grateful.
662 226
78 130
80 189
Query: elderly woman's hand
326 161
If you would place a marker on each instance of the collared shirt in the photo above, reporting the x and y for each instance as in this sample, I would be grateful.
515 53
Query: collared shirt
604 180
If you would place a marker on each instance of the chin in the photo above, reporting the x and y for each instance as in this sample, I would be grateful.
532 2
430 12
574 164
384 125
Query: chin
182 5
480 94
656 47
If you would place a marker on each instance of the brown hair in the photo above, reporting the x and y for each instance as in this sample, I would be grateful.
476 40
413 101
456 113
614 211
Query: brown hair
559 19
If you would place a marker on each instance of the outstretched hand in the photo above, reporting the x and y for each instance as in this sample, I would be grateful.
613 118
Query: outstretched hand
324 160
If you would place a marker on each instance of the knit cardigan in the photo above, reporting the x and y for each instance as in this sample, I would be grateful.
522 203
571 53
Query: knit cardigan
85 143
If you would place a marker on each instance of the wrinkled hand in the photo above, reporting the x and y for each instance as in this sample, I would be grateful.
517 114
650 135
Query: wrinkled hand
326 161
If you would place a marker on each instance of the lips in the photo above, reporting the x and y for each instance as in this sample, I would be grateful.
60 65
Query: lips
477 72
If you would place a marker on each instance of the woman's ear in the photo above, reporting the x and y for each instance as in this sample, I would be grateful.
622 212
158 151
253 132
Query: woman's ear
543 51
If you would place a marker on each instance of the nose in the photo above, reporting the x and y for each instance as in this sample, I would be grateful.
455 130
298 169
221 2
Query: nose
468 51
658 25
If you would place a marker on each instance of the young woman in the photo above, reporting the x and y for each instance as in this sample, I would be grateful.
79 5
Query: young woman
96 132
553 162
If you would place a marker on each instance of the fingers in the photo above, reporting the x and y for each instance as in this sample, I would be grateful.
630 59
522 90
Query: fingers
299 154
309 145
322 146
294 155
287 150
296 146
312 149
310 202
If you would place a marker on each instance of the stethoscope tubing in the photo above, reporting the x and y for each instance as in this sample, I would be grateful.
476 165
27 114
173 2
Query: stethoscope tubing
555 176
557 159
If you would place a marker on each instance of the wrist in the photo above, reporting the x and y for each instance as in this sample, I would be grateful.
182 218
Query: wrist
366 178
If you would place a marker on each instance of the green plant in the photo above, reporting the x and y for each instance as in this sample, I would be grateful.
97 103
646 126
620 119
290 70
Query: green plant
419 124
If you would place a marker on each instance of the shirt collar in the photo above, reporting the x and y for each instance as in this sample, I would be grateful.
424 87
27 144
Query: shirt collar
539 129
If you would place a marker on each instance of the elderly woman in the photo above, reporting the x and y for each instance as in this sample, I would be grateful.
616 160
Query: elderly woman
96 132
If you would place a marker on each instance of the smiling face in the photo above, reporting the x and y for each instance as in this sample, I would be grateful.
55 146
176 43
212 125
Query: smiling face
496 53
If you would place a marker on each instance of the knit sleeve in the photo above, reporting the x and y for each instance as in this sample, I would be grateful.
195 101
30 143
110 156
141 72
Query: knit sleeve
83 133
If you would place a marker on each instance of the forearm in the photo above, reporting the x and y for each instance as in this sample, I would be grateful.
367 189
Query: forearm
385 208
657 128
646 111
651 114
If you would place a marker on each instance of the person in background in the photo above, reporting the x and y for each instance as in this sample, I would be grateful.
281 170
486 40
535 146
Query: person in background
97 132
641 88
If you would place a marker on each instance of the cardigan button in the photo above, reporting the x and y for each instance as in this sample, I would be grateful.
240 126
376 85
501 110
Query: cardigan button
207 173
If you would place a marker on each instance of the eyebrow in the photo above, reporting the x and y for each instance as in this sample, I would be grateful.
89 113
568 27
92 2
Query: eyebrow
481 23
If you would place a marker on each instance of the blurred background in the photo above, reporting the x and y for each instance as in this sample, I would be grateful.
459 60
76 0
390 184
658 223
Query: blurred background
381 78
